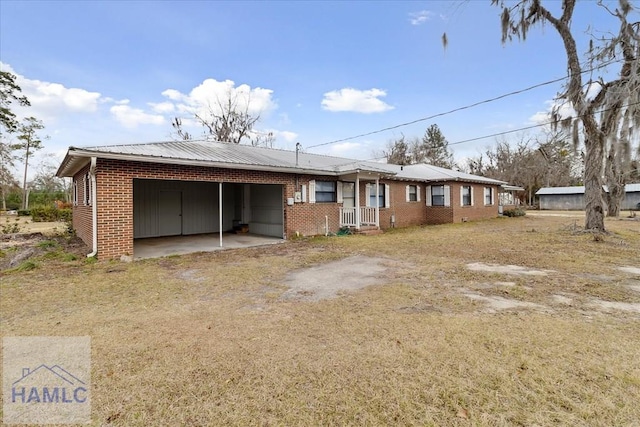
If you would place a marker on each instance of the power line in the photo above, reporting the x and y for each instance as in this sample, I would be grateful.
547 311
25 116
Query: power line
551 122
455 110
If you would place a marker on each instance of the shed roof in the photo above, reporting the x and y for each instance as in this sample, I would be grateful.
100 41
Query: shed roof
545 191
236 156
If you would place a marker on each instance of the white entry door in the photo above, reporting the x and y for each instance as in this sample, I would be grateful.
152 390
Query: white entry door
348 194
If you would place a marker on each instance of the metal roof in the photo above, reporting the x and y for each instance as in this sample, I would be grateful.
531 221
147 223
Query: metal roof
225 155
425 172
560 190
629 188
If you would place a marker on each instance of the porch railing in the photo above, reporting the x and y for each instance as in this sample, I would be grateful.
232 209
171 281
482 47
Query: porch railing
368 216
348 216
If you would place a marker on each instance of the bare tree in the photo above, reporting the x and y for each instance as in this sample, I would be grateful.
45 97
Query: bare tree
621 114
176 123
45 179
531 163
227 120
597 118
398 152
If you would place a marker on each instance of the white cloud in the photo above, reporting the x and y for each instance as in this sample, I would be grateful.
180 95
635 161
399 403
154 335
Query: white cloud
359 101
173 94
162 107
211 93
132 117
108 100
286 135
563 109
51 100
343 147
419 18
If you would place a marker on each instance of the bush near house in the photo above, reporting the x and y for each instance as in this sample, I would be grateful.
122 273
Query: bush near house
50 214
514 212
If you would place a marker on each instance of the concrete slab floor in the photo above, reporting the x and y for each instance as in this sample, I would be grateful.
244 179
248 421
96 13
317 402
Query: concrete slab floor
156 247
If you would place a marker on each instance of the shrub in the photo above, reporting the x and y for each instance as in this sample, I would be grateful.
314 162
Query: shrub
47 244
65 215
24 212
44 214
10 227
514 212
49 214
25 266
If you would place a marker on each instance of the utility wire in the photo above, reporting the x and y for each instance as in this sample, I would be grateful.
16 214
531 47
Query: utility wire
551 122
455 110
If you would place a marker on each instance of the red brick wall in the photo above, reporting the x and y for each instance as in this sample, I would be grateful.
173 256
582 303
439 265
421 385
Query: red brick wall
439 215
478 210
456 212
308 219
405 213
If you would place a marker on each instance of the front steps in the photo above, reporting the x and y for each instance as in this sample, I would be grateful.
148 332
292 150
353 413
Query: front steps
369 230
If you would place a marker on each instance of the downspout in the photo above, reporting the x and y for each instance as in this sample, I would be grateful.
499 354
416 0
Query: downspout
94 208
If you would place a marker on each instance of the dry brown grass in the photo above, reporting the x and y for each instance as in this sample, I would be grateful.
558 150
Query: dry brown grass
205 339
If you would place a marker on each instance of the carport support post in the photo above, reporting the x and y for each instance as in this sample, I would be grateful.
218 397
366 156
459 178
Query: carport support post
378 202
220 210
357 196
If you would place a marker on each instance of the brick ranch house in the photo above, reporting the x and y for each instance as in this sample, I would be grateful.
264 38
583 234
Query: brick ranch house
127 192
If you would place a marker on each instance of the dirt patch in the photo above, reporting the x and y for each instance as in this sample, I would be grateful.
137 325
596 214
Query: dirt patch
328 280
561 299
190 275
614 305
631 270
496 303
16 249
507 269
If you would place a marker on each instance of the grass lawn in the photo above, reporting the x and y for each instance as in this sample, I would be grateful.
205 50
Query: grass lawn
513 321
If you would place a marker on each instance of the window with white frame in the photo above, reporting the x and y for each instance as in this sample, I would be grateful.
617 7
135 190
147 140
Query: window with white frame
488 196
326 192
75 192
466 195
87 190
437 195
348 195
413 193
381 196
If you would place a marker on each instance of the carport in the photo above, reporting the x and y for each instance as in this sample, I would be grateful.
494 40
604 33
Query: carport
155 247
207 212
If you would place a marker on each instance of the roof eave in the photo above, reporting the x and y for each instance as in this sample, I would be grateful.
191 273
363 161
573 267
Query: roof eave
67 167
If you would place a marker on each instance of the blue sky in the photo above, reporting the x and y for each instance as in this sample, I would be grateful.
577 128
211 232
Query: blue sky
116 72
